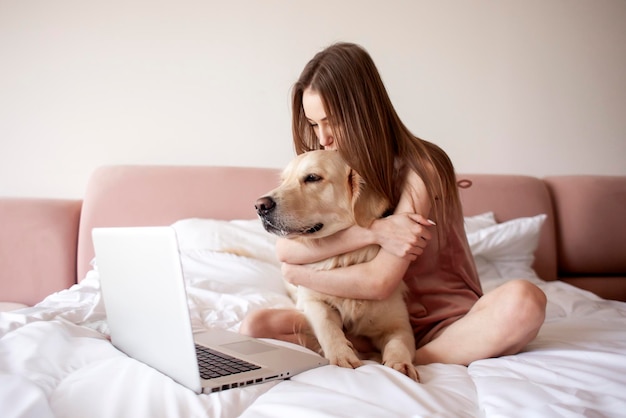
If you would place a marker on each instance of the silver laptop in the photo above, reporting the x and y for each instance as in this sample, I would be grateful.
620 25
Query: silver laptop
146 303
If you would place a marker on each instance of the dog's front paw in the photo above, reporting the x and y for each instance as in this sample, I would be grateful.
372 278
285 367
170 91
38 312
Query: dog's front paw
344 357
405 368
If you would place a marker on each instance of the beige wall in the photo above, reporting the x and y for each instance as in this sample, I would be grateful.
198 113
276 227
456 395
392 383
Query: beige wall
531 87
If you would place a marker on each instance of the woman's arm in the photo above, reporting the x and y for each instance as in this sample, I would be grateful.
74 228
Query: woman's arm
374 280
294 251
378 278
398 234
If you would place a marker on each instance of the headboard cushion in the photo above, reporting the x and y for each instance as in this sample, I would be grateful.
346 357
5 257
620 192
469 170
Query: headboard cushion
591 227
510 197
37 254
161 195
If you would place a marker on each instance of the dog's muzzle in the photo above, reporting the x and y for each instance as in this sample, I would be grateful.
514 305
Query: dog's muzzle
265 206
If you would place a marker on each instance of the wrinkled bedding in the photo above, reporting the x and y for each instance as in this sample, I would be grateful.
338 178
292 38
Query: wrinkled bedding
56 360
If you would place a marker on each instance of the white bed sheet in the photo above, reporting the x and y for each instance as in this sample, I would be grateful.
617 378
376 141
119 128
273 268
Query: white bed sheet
55 359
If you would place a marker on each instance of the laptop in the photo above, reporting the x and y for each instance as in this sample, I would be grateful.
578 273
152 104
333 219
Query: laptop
144 295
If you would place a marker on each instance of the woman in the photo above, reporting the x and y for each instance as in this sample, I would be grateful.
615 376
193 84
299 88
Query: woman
340 103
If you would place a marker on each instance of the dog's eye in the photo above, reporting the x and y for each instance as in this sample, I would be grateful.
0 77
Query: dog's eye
312 178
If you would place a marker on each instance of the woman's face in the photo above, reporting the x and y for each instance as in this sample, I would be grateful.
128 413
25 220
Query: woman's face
316 115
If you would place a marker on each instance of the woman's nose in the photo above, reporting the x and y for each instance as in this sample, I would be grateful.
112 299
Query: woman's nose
326 138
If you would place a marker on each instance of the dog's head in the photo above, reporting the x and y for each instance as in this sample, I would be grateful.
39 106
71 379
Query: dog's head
319 195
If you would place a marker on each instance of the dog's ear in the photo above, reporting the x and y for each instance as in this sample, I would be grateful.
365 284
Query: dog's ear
355 184
366 205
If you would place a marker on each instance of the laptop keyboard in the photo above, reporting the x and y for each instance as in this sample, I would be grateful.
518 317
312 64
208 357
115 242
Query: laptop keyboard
215 364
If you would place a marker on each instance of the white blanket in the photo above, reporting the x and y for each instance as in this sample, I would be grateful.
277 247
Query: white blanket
56 360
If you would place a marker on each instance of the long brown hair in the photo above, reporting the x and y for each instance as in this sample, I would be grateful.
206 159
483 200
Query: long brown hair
368 133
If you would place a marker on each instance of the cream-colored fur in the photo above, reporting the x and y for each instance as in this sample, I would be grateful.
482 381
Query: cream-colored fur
320 195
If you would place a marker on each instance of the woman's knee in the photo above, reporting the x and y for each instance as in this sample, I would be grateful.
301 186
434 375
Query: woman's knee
273 323
525 304
256 324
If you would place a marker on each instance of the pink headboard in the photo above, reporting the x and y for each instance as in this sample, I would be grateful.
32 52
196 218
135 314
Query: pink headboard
37 254
161 195
514 196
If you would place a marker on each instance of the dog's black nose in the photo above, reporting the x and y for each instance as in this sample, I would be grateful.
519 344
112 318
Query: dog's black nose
264 205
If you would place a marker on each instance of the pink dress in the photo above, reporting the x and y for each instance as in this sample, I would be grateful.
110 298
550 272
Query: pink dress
443 283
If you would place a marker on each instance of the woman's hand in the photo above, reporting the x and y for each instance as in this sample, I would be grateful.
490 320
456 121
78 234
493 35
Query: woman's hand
295 274
404 235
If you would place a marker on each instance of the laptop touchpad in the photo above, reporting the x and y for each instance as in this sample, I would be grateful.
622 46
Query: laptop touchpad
248 347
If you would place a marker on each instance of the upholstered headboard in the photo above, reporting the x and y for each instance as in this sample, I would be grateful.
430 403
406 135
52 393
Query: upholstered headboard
160 195
38 247
510 197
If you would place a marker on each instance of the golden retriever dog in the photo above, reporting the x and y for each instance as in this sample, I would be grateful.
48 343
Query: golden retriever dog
319 195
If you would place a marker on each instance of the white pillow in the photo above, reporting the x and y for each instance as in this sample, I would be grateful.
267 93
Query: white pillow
239 253
514 239
474 223
240 237
230 269
506 251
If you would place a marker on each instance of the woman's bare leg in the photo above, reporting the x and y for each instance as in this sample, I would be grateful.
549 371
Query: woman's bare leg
292 326
282 324
501 322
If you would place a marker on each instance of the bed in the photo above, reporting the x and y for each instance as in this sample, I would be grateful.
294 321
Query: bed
56 360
